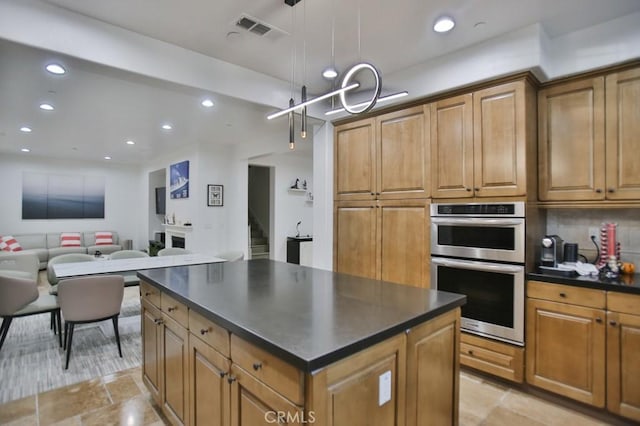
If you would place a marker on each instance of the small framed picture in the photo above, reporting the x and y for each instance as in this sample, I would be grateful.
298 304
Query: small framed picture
215 195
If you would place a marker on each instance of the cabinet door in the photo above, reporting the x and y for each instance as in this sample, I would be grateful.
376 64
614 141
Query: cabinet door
499 141
365 389
623 130
404 239
571 150
209 392
175 353
354 161
565 350
403 154
254 403
433 351
452 147
355 239
623 365
151 349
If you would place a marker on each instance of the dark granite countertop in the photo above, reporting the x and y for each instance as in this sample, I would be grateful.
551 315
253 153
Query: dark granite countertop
624 283
308 317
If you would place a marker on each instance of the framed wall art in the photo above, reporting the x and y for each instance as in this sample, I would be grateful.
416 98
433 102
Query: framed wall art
215 195
179 180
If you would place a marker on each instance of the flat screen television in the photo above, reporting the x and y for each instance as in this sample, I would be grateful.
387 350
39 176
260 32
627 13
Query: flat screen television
161 200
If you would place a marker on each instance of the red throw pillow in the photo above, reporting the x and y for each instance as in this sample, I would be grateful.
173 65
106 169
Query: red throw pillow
70 239
104 238
8 243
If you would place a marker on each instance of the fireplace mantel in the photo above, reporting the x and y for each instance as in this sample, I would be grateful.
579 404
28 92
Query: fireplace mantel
177 231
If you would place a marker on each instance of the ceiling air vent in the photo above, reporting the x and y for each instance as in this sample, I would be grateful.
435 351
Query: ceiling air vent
253 25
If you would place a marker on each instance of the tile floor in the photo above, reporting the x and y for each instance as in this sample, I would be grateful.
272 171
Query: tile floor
122 399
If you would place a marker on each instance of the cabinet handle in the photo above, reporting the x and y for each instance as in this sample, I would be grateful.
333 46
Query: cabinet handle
468 189
613 323
158 321
171 309
377 193
611 190
222 373
599 191
373 193
470 352
147 294
563 295
203 331
599 320
476 189
257 366
231 379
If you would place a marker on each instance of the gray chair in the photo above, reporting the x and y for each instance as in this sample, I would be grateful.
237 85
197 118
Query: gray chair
130 278
90 299
20 265
19 297
231 256
172 251
64 258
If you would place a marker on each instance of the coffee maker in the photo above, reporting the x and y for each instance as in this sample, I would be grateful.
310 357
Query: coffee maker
551 251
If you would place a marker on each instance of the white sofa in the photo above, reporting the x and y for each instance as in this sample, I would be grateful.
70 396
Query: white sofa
47 246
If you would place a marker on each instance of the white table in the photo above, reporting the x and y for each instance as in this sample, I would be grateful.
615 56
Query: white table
108 266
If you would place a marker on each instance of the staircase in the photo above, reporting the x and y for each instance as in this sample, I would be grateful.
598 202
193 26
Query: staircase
259 242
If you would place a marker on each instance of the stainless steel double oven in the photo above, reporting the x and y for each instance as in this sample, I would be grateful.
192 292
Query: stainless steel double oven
479 250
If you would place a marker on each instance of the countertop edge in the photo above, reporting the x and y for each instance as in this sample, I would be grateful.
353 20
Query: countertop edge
323 360
585 282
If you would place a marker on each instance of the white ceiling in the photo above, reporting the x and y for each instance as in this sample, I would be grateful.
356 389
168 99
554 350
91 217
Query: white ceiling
98 108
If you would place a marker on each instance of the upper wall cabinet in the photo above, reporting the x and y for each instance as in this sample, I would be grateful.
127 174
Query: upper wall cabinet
386 157
479 142
623 135
588 139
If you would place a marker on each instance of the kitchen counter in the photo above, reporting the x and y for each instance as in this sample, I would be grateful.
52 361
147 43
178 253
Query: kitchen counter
308 317
624 283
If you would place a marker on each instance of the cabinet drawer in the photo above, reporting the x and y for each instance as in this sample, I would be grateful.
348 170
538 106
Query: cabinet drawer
150 293
587 297
277 374
623 302
212 334
176 310
499 359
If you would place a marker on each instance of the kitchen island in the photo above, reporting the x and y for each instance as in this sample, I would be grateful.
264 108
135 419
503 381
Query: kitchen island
259 341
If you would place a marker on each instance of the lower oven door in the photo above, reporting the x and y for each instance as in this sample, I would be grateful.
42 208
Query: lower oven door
495 295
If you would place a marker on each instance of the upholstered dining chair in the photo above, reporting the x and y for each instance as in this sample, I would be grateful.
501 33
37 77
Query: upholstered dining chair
171 251
130 278
231 256
19 297
90 299
64 258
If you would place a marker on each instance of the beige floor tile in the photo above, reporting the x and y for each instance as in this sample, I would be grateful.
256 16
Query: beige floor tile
70 401
71 421
466 418
500 416
132 412
24 421
15 410
479 398
122 388
545 412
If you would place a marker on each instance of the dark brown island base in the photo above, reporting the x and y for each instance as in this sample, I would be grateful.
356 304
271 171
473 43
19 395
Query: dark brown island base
264 342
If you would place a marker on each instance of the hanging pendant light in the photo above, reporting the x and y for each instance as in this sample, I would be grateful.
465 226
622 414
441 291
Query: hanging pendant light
303 126
292 139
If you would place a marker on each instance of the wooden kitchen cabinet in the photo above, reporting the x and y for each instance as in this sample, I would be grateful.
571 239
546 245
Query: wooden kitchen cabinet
565 349
622 130
387 239
496 358
479 142
355 161
623 362
151 318
175 356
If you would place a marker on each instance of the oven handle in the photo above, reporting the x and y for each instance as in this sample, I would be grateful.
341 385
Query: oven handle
476 266
477 221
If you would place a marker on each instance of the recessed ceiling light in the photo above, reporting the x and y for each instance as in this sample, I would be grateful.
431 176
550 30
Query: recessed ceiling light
443 24
106 157
55 69
330 73
25 129
208 103
167 126
46 107
131 143
25 150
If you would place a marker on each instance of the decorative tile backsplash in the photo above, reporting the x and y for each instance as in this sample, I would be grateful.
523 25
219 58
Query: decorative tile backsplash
576 225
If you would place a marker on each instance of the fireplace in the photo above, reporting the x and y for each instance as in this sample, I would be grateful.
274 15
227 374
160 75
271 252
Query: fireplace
177 241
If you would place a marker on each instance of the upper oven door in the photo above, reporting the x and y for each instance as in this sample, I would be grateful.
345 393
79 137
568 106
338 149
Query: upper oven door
479 238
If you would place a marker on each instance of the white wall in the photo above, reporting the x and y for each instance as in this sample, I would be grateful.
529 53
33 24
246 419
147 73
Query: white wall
123 195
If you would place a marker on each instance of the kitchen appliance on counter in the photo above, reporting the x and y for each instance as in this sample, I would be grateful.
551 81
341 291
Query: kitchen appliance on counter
551 253
478 249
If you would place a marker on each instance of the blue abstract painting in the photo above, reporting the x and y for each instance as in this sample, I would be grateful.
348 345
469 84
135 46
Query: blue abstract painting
49 196
179 180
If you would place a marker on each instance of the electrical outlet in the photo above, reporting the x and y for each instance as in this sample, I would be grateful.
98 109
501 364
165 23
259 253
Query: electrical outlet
595 231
